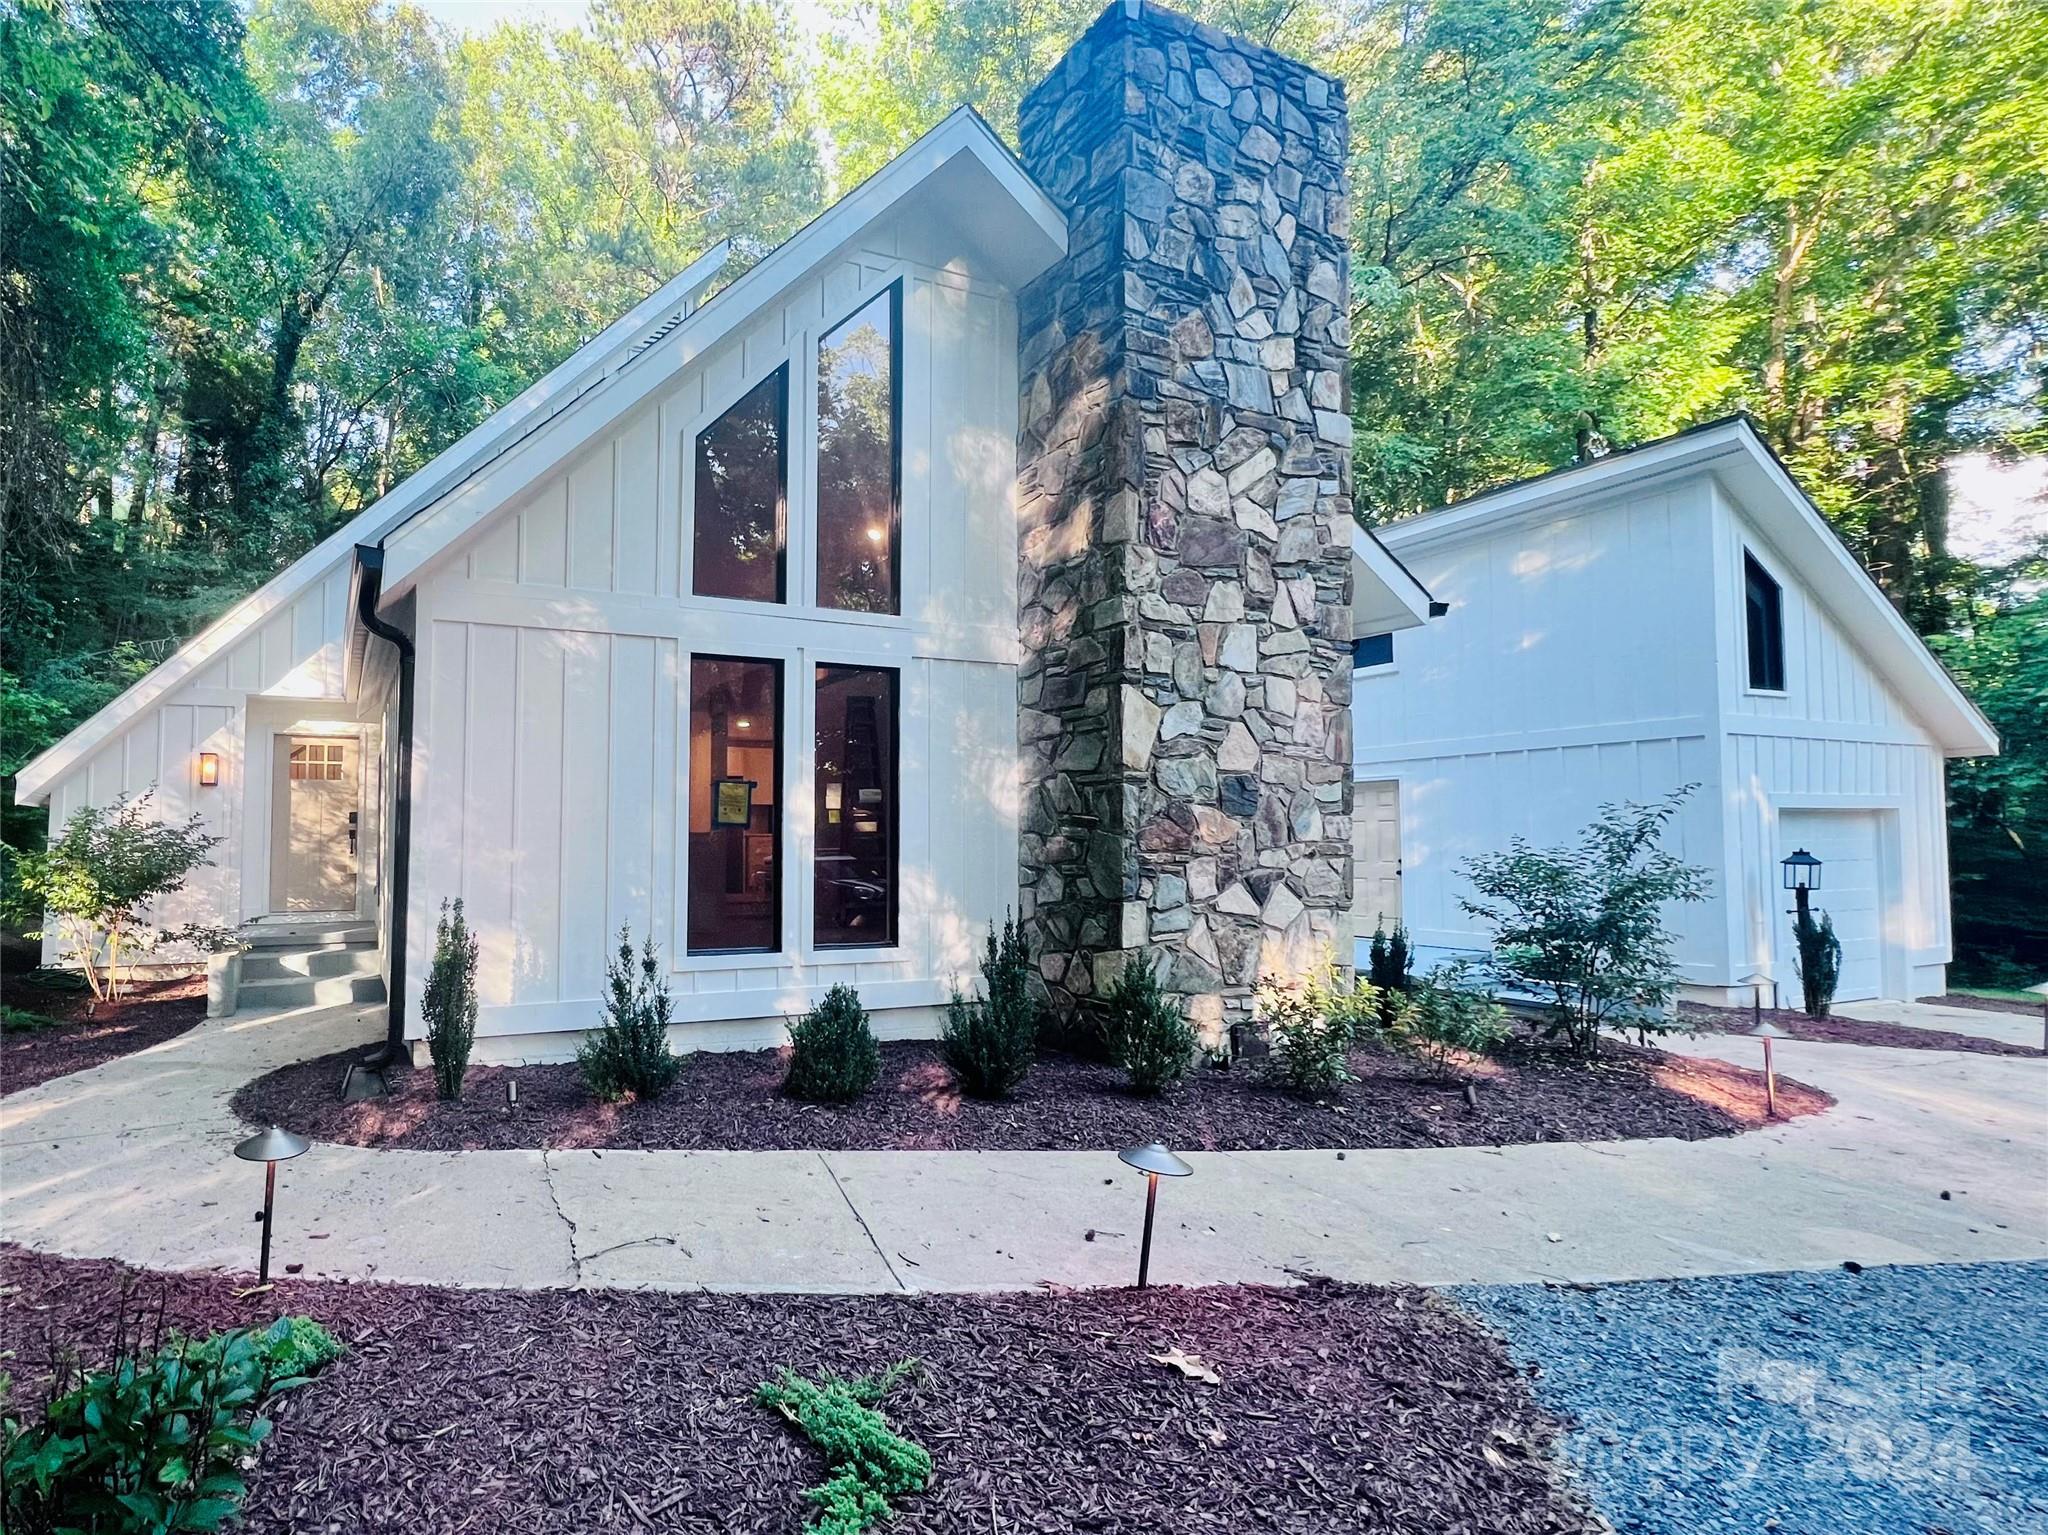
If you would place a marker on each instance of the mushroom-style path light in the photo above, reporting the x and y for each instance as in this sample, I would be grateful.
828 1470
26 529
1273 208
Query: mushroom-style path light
269 1147
1768 1032
1756 981
1155 1162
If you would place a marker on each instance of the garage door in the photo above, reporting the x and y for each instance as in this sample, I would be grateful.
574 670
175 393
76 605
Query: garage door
1851 891
1375 855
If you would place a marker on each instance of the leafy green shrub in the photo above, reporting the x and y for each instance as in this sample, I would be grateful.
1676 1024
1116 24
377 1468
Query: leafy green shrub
1584 925
990 1042
628 1052
1148 1034
1820 961
1311 1049
449 1007
149 1446
869 1463
833 1056
1390 966
1442 1018
96 880
1352 1005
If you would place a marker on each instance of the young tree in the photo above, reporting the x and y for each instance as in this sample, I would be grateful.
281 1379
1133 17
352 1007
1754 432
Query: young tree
1584 925
449 1007
97 879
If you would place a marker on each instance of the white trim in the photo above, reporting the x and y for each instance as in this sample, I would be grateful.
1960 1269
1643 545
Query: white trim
1408 602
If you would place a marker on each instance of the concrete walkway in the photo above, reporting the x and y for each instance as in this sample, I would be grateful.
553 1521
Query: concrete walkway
131 1160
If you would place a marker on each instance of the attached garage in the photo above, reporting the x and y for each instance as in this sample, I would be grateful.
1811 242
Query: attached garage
1854 882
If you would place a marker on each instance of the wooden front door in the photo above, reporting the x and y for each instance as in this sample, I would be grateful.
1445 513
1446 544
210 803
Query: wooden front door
322 825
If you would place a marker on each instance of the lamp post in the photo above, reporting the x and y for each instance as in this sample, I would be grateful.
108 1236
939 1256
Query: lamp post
1802 876
1768 1032
269 1147
1155 1162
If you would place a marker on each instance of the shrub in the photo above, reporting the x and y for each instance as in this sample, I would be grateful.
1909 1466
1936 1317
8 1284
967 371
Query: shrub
1310 1048
1583 925
1390 966
94 884
155 1444
869 1463
1353 1006
449 1006
628 1052
1441 1018
990 1042
833 1056
1148 1034
1820 961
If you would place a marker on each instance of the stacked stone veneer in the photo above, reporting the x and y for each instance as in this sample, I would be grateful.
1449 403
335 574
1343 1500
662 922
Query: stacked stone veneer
1185 518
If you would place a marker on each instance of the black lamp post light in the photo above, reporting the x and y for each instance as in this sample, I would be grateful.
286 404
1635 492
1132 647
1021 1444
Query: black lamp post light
1802 876
269 1147
1155 1162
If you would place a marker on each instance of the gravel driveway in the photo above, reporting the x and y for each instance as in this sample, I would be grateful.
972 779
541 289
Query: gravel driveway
1895 1401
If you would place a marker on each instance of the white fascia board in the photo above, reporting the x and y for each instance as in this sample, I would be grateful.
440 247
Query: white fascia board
585 366
1041 240
1391 598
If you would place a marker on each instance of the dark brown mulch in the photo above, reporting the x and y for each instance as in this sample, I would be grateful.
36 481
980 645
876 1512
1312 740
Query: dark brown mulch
2025 1007
1341 1408
732 1101
150 1013
1836 1030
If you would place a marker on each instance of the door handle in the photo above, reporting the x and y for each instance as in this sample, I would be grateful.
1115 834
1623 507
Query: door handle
352 832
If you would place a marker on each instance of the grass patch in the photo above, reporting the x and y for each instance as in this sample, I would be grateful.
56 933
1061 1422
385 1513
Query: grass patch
1998 994
15 1020
870 1464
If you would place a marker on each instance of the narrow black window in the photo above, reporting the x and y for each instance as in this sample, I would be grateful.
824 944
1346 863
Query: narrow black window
735 811
856 807
742 496
1764 602
1372 650
857 460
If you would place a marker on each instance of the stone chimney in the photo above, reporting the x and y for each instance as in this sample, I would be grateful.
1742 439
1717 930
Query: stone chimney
1184 494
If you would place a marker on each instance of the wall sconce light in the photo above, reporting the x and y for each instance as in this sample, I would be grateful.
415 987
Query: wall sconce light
1155 1162
209 770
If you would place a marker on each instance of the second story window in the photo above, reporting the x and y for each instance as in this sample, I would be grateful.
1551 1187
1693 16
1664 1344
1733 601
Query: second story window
741 512
858 529
1764 608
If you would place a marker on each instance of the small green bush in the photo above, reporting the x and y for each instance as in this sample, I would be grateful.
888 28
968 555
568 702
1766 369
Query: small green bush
1311 1049
628 1052
149 1446
1390 966
449 1007
991 1041
1820 962
869 1463
1148 1034
1351 1004
14 1020
833 1056
1442 1017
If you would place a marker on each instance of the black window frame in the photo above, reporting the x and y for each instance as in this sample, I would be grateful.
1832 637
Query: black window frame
775 882
894 291
781 371
1763 612
1359 664
894 790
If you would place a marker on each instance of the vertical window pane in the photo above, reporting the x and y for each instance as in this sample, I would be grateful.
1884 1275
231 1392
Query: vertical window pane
1764 601
856 806
742 479
857 524
735 816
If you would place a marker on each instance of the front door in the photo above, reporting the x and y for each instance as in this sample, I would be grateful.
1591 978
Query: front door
318 852
1376 855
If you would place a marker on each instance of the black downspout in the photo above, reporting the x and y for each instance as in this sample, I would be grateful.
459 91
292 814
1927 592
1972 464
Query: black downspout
370 559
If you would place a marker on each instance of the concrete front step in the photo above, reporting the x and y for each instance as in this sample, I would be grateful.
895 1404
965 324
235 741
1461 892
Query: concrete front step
320 963
308 932
308 991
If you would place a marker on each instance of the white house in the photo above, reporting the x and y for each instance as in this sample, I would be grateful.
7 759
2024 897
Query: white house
1675 614
985 547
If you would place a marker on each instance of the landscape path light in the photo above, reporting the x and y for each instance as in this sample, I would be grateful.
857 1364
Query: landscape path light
1756 980
1155 1162
1768 1032
269 1147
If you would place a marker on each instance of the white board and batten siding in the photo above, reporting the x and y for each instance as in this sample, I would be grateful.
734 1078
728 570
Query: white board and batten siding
293 653
1836 759
551 772
1556 682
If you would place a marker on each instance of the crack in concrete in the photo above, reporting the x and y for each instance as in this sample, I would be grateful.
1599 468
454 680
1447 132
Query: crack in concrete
862 1221
547 1173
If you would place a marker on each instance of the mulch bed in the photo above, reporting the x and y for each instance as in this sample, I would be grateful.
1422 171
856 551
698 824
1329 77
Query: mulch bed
1340 1408
1837 1030
150 1013
2025 1007
732 1101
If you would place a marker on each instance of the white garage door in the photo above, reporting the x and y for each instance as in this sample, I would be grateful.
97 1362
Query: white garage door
1375 855
1851 891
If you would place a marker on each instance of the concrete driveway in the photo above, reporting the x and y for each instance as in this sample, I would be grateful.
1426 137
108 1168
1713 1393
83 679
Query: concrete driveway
131 1161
